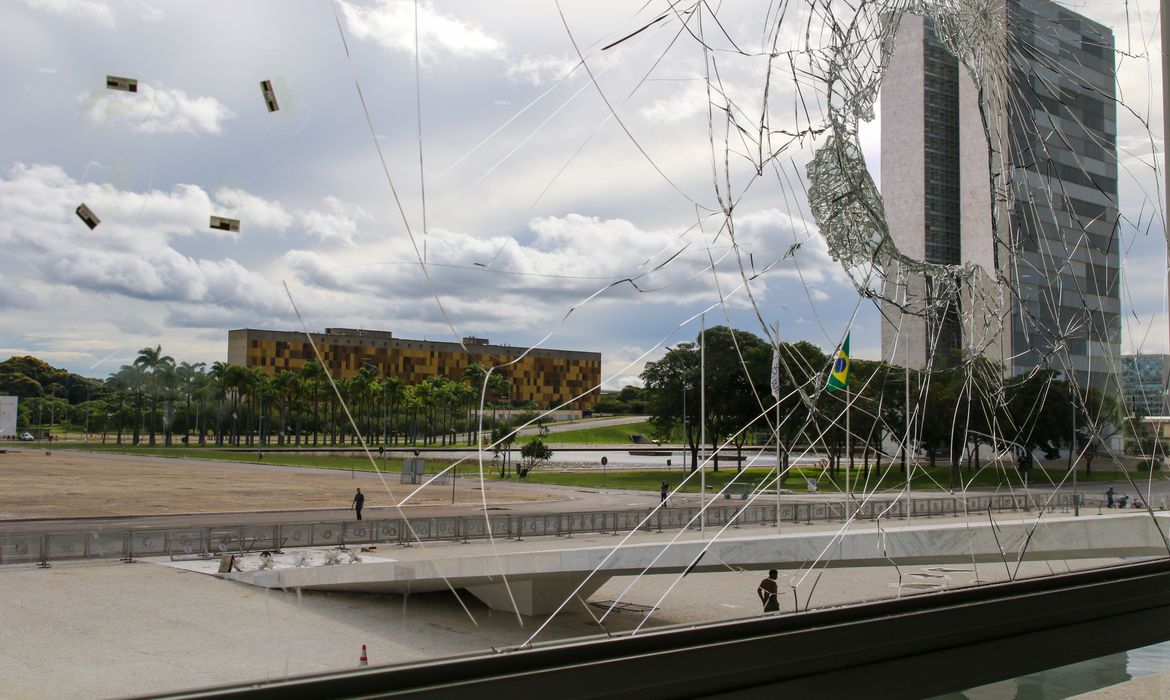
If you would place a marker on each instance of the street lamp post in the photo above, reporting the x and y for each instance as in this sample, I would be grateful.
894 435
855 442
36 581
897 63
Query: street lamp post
684 423
1165 17
88 408
703 423
1072 442
1073 459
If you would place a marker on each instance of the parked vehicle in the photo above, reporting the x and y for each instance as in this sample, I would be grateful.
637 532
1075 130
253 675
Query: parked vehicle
27 437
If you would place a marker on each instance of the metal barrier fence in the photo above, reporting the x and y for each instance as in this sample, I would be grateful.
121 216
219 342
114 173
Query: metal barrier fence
209 541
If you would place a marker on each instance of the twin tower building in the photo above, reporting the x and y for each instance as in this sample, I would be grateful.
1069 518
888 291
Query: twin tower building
1020 179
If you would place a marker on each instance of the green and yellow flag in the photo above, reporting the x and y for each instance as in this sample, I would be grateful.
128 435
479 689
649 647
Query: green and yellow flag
839 377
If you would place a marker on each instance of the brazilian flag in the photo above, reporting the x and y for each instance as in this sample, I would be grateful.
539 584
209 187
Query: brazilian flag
839 377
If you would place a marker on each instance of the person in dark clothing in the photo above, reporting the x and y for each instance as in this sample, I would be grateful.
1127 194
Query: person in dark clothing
359 499
768 593
1109 497
662 491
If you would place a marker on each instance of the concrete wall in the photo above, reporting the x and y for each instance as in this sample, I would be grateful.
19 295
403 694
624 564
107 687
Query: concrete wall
8 413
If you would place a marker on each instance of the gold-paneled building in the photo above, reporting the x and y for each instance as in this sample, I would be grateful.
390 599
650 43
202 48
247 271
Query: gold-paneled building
546 377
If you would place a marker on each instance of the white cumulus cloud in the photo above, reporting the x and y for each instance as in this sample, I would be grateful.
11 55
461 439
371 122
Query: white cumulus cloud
156 110
95 11
391 23
541 69
129 254
337 224
251 210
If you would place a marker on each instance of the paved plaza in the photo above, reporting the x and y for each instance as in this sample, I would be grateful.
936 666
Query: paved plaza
102 629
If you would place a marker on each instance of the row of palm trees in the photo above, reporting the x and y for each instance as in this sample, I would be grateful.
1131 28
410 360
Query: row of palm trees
229 404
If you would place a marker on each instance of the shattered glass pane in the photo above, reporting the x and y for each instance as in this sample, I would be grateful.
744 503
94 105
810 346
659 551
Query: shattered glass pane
852 269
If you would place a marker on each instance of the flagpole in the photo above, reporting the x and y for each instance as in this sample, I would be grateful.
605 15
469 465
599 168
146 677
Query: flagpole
906 444
779 467
839 379
702 420
848 454
1164 17
776 397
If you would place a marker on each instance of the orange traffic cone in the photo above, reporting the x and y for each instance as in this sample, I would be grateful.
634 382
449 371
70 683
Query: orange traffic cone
363 661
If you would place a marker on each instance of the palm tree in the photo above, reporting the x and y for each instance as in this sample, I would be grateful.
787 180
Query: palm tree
447 400
411 401
188 375
313 371
338 399
500 387
430 394
362 391
204 388
167 383
287 388
377 398
255 388
148 360
476 377
359 389
391 397
127 383
468 398
234 382
219 377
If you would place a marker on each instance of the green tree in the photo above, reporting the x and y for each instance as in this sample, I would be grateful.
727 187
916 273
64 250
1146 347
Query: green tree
1098 419
502 438
1040 414
739 367
130 382
535 453
20 385
392 390
286 388
476 377
205 390
313 372
188 376
500 387
148 361
672 384
233 383
260 399
167 385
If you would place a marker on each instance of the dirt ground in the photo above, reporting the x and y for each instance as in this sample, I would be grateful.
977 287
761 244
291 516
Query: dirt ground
72 483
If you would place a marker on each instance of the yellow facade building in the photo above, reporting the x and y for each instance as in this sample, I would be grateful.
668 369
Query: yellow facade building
546 377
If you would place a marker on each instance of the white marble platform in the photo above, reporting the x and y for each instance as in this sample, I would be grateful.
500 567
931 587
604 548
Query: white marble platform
543 573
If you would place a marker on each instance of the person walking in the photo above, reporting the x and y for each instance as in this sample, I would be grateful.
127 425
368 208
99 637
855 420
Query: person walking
359 500
768 593
1109 498
662 492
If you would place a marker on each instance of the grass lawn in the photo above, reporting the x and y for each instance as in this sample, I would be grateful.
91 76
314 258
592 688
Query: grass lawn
606 435
639 480
939 478
289 459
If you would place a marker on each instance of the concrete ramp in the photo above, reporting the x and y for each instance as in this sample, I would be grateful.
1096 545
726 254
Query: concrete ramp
544 576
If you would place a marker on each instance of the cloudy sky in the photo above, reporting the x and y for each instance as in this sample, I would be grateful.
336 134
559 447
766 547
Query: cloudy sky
526 196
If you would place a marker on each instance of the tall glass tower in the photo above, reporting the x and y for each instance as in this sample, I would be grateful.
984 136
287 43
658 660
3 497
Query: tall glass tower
1038 156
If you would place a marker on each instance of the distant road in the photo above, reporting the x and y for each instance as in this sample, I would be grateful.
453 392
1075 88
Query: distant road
586 423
